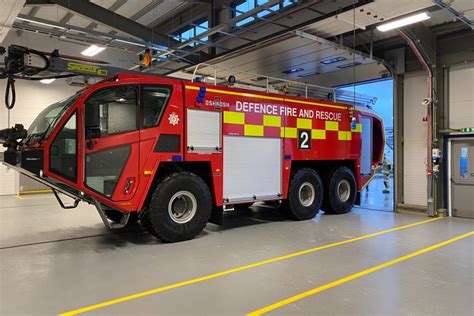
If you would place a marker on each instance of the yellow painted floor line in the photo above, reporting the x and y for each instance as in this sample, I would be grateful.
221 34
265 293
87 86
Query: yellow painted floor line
19 197
35 192
354 276
246 267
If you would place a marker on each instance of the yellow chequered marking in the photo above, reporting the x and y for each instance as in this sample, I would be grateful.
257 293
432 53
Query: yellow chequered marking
234 117
343 135
253 130
288 132
318 134
304 123
358 128
332 126
271 120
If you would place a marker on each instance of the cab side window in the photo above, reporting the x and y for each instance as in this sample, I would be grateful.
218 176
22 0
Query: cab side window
118 109
154 101
63 151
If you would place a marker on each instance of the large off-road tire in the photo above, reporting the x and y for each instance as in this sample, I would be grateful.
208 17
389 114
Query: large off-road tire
305 195
115 216
341 191
179 208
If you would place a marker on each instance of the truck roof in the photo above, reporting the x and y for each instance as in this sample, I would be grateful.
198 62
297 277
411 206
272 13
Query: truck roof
126 76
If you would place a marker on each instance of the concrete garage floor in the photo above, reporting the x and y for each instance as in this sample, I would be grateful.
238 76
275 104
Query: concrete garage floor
54 261
372 197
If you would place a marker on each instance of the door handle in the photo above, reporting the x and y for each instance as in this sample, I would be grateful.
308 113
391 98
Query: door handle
90 144
129 185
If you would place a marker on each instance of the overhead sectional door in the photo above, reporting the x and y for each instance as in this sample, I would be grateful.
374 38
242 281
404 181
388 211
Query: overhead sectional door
415 135
461 98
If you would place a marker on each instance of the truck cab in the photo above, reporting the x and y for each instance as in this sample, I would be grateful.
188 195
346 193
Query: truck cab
98 143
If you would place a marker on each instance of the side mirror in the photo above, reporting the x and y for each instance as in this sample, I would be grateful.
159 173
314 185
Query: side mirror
92 116
92 122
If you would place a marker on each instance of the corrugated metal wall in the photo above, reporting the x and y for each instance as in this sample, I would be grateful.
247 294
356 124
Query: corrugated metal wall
415 133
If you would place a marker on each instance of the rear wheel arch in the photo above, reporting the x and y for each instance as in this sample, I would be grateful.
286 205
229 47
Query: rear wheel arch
305 194
323 167
199 168
340 191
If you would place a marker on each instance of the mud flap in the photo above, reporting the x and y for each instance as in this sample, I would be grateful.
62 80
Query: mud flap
357 201
217 215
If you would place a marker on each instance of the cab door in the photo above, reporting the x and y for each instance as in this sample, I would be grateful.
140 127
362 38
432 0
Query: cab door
111 157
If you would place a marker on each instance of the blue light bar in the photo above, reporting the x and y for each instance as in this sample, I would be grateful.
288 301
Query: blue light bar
177 158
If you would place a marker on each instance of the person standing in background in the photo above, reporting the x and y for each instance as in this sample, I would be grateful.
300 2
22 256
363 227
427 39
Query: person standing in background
386 168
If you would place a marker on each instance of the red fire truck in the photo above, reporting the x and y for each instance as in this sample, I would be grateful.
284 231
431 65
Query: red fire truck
174 153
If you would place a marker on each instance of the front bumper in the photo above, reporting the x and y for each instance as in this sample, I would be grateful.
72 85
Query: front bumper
58 186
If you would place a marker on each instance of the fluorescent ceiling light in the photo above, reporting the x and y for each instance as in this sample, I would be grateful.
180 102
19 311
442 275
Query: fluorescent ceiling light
47 81
41 23
332 60
292 70
349 65
308 74
403 22
211 78
129 42
92 50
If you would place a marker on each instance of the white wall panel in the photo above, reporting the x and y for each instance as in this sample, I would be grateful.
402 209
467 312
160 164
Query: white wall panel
415 134
461 96
32 98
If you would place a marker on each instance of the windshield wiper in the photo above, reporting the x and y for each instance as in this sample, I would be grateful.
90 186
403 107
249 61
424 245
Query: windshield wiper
42 135
32 136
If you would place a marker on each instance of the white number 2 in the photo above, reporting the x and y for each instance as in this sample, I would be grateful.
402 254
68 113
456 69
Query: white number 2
304 140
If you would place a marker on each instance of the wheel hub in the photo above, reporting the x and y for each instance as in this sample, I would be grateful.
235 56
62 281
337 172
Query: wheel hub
344 190
306 194
182 207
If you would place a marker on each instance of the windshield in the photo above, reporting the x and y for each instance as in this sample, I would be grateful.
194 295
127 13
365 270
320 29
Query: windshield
47 120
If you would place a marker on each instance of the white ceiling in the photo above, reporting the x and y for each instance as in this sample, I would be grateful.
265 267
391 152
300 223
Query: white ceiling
465 7
8 13
363 16
290 51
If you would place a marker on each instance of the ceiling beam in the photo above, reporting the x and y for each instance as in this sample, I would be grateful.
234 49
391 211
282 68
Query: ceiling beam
34 10
120 23
114 7
194 1
115 21
148 8
37 2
